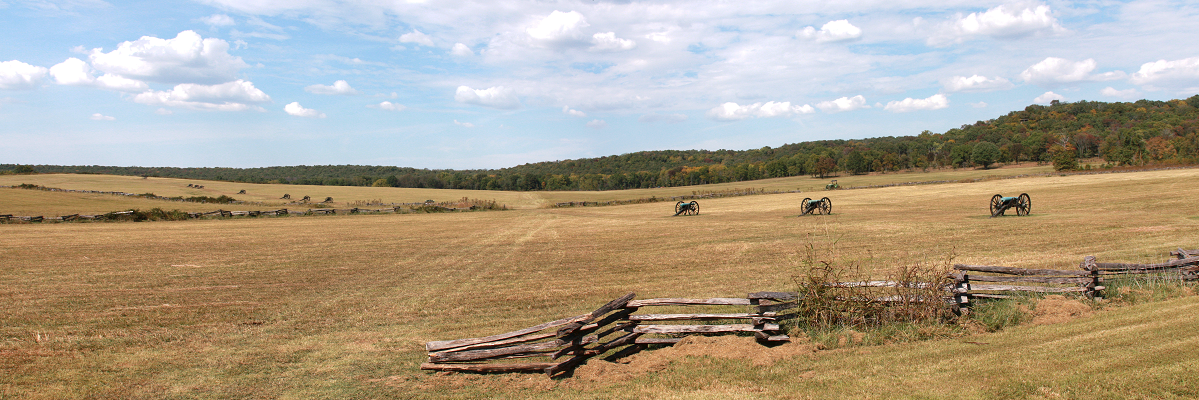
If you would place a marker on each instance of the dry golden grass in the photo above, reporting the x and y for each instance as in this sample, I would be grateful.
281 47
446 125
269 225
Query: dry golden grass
269 195
340 306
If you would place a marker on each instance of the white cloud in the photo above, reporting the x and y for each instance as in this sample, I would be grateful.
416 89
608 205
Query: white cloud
934 102
73 72
417 37
833 31
18 75
1048 97
229 96
843 104
102 117
216 20
461 50
732 111
294 108
1006 21
667 118
389 106
339 87
163 111
464 124
609 42
186 58
1126 94
494 97
76 72
559 27
1177 74
1053 71
571 112
976 83
597 124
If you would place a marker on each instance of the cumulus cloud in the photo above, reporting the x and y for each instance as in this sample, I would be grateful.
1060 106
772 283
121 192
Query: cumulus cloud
976 83
187 58
597 124
229 96
102 117
935 102
294 108
732 111
493 97
461 50
559 27
1053 71
609 42
1009 21
339 87
667 118
389 106
1112 92
417 37
18 75
1182 73
843 104
833 31
76 72
572 112
464 124
216 20
1047 98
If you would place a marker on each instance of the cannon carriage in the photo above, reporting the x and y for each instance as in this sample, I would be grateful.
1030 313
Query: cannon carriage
822 206
1000 204
682 208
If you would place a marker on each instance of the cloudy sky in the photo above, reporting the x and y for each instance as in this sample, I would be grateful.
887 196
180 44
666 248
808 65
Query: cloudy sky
491 84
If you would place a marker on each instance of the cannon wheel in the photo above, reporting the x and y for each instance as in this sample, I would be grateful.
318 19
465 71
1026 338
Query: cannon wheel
678 207
803 206
996 202
826 206
694 208
1024 205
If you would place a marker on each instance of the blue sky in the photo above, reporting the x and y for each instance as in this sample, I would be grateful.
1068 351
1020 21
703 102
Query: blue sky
467 84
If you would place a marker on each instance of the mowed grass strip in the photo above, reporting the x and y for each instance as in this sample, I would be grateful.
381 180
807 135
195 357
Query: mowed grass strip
340 306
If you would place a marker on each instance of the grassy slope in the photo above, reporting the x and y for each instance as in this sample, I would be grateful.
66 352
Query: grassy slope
339 306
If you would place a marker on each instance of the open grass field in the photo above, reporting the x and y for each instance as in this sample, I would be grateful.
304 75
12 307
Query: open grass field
340 306
266 195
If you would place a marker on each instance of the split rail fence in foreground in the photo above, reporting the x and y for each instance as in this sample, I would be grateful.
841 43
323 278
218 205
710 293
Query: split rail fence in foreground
614 328
617 329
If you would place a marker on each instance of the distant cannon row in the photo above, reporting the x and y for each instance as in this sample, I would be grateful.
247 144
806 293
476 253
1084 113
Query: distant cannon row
306 199
824 206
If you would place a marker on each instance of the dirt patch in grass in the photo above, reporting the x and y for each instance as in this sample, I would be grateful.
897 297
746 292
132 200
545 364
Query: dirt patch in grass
733 347
1055 309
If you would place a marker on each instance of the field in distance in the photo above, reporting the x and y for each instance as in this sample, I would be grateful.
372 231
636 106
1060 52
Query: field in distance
340 306
269 195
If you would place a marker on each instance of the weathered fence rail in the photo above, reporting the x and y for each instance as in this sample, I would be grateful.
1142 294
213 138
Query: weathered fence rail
618 329
614 328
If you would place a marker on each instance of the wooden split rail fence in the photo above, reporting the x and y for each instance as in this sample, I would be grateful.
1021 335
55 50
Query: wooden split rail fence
614 329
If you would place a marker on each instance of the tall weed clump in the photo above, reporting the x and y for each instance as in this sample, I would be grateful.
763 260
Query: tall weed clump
839 298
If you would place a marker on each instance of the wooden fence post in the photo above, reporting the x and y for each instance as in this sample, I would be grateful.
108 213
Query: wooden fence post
1096 285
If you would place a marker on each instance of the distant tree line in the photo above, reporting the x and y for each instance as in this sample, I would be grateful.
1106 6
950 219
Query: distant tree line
1123 134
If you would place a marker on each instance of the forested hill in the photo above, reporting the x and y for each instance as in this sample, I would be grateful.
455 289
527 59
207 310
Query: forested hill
1137 133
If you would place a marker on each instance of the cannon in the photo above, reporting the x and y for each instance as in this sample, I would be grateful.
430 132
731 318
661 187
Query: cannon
285 197
822 206
243 191
682 208
832 185
1000 204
